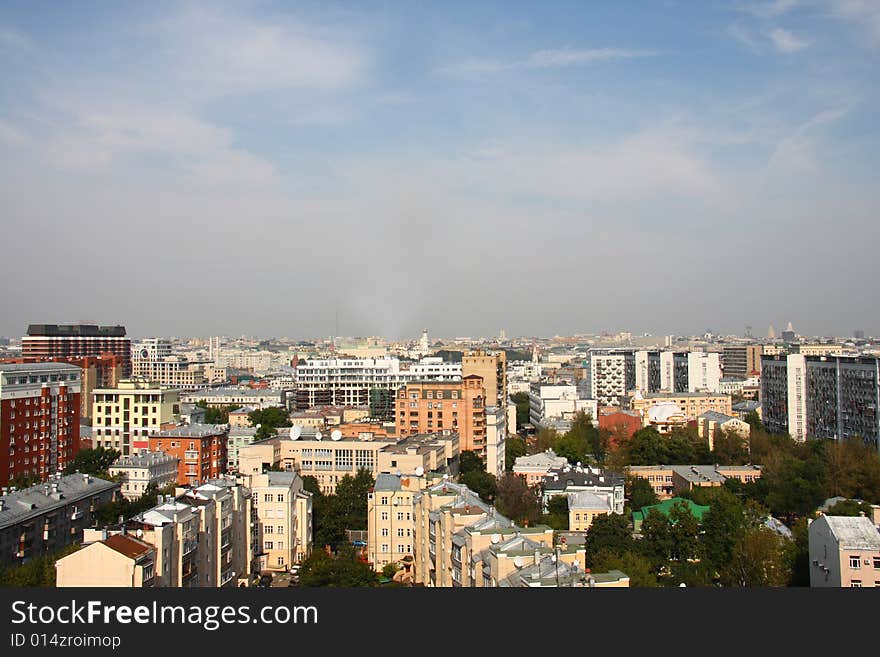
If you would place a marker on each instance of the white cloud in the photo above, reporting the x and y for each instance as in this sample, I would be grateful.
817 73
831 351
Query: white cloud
771 9
864 13
550 58
786 42
231 53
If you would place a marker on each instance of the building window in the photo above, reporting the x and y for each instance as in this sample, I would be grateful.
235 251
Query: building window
268 545
384 515
384 547
876 562
384 531
268 529
854 561
280 561
856 584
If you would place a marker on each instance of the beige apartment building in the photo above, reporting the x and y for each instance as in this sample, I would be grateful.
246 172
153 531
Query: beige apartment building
691 404
200 539
391 521
125 417
282 519
844 552
492 367
330 460
456 406
584 507
670 480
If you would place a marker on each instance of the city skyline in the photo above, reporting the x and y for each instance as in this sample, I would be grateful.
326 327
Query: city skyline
194 168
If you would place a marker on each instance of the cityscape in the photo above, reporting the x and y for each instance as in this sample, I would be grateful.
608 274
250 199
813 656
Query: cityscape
610 460
309 295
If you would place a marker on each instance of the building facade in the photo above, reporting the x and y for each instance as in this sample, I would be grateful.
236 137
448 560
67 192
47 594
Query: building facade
844 552
140 470
41 519
200 450
281 520
65 340
492 367
39 418
125 417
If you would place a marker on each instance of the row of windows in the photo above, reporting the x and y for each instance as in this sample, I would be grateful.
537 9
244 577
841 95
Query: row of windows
856 562
400 532
43 378
401 548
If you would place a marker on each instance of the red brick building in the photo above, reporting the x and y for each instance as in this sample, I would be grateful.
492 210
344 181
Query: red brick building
63 340
104 371
39 418
200 448
621 425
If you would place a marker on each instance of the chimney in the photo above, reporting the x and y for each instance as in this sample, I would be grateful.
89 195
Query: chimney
537 557
104 534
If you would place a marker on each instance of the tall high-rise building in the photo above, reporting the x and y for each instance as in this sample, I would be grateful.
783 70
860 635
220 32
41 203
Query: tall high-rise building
834 397
63 340
742 361
39 418
492 367
126 416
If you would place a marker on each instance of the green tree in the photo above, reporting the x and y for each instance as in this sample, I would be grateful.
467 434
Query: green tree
723 525
36 572
647 447
557 515
272 417
640 570
311 485
482 483
517 501
657 543
850 508
684 530
754 421
730 448
468 461
24 480
545 439
93 462
760 557
514 447
389 570
521 399
218 415
641 493
608 533
344 570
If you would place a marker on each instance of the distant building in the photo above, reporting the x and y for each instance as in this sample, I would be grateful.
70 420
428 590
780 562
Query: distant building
239 417
711 421
548 402
238 437
844 552
741 361
258 398
282 519
584 507
670 480
691 404
569 479
64 340
621 424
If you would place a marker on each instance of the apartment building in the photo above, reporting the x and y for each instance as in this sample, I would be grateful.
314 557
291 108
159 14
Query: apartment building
256 398
362 381
238 437
456 406
584 507
570 479
139 471
97 372
200 539
281 520
391 522
239 418
200 450
331 460
496 440
44 518
78 340
549 403
670 480
710 422
844 552
612 375
691 404
836 397
535 467
125 417
39 418
741 361
492 368
170 371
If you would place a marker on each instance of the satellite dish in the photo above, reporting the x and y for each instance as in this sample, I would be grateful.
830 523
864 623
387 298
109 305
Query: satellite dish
336 435
445 477
318 435
295 431
496 538
420 471
518 562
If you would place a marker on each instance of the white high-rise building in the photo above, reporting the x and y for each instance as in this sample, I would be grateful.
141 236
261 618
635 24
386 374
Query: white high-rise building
704 371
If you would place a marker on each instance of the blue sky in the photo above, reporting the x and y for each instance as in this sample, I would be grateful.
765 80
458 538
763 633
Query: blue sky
256 167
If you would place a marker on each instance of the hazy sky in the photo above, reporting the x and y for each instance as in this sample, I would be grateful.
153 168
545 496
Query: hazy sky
191 168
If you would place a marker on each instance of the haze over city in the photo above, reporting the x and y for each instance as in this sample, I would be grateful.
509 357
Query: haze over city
256 168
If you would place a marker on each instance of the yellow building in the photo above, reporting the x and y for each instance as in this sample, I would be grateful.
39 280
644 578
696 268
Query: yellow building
691 404
126 416
493 368
283 519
